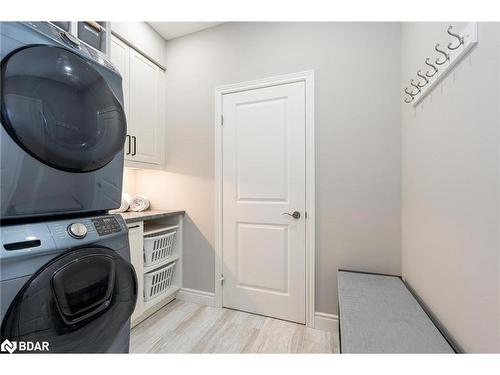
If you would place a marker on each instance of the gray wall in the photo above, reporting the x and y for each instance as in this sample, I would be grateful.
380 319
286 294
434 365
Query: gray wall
358 138
450 188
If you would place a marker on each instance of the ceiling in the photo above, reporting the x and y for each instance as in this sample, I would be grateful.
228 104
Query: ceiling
171 30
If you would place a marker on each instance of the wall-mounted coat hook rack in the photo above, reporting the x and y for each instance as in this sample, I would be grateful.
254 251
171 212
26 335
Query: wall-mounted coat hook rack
445 54
428 74
459 37
457 50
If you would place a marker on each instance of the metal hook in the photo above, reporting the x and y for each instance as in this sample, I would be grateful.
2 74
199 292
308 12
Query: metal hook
411 93
412 82
460 39
419 73
432 66
445 54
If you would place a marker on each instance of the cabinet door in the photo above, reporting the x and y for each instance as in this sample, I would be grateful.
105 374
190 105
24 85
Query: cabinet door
145 110
135 237
120 57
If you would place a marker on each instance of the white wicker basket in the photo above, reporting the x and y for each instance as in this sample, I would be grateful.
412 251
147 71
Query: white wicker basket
158 247
159 281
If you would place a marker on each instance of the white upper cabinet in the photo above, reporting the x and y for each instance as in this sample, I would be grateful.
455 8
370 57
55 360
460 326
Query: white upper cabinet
120 57
143 90
145 109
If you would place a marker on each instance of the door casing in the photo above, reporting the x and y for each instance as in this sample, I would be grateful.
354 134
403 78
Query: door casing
308 78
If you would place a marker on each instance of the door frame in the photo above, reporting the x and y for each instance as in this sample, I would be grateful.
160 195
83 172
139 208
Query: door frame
308 78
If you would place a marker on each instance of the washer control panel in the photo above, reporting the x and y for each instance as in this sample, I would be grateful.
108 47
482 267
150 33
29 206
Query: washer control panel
77 230
106 225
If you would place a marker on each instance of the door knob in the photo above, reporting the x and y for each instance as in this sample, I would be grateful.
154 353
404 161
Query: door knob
294 214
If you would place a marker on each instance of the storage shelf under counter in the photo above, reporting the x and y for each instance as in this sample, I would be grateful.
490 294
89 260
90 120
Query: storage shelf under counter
155 238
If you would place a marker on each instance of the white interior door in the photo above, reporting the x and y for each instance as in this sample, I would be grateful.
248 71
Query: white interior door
263 172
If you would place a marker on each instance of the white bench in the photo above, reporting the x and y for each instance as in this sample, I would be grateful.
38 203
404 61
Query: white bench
378 314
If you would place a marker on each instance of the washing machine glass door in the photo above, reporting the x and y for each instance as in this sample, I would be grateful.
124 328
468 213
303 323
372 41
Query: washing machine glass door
59 108
77 303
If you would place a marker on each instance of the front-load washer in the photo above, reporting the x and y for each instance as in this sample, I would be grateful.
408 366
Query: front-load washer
63 124
67 286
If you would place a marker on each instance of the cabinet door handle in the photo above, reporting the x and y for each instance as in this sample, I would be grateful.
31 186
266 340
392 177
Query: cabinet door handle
135 145
128 145
134 226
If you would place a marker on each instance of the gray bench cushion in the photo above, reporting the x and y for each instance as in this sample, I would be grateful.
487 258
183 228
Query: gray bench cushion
378 314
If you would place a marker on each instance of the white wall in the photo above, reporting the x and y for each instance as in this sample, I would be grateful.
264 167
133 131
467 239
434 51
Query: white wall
450 188
358 138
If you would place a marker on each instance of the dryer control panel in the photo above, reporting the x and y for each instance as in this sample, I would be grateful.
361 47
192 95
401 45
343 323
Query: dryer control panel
106 225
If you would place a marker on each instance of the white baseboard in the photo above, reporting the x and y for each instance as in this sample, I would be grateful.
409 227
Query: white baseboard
326 322
196 296
322 321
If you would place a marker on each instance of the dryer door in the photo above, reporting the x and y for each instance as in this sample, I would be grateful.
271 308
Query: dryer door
78 303
58 107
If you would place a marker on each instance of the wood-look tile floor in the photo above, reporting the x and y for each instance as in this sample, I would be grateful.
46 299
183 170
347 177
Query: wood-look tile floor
182 327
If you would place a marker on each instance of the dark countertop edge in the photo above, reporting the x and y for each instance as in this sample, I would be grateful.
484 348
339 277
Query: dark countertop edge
152 216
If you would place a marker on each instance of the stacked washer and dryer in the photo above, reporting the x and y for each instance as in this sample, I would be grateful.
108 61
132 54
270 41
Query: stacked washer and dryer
65 275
